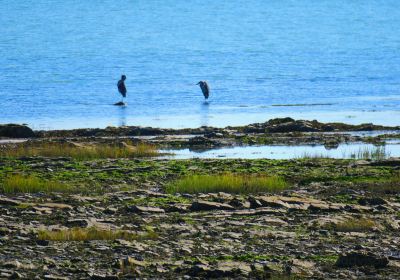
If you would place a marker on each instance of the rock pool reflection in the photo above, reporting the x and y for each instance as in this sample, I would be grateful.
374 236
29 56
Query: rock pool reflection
356 150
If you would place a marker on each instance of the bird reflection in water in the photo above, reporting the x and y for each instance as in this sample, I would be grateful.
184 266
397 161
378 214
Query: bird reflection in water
204 113
122 115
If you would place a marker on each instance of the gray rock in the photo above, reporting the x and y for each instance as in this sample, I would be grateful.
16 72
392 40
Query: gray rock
55 277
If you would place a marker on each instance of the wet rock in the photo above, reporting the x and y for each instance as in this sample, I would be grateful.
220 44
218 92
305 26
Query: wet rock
77 223
41 242
197 270
222 270
4 231
178 208
328 128
208 206
292 126
110 211
254 203
394 255
16 131
361 259
237 203
278 121
12 264
200 141
101 276
9 202
387 162
281 125
142 131
372 201
17 275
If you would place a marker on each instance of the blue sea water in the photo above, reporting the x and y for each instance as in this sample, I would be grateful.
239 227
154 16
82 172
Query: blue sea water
60 61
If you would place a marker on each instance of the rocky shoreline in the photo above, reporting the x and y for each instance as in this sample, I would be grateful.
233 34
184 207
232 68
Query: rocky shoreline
279 125
337 219
284 131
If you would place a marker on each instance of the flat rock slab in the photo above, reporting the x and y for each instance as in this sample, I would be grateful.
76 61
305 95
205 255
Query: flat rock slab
145 209
259 211
298 203
306 203
56 205
208 206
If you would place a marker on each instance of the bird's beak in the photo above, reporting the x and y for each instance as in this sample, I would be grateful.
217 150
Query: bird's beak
198 83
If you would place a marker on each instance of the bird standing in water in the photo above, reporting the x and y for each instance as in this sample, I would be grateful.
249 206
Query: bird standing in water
121 87
204 88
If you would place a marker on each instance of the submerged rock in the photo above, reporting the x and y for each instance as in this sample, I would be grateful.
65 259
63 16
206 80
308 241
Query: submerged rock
119 103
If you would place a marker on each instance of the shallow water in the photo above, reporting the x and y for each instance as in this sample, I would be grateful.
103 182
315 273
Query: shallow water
285 152
60 61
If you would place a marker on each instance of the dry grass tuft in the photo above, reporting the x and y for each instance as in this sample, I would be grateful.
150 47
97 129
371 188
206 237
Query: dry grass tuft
93 233
356 225
229 183
82 152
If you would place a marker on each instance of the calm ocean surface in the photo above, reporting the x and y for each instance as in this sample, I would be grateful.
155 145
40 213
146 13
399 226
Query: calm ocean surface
60 61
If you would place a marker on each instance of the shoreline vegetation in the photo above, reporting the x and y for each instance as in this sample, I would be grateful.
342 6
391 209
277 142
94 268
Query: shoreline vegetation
80 151
105 207
136 142
229 183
